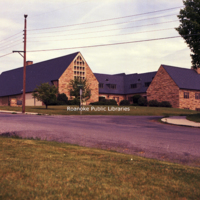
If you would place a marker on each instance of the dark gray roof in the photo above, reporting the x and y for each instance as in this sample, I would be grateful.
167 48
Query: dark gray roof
123 82
184 78
11 82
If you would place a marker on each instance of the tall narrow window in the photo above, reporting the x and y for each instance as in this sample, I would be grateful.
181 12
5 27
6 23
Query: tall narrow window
197 95
79 68
186 95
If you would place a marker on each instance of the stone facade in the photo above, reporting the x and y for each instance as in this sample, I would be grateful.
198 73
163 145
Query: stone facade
163 88
189 102
84 72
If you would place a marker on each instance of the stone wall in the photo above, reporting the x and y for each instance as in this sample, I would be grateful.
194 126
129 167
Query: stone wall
63 82
163 88
189 103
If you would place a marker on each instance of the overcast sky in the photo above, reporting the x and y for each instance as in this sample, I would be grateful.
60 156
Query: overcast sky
62 24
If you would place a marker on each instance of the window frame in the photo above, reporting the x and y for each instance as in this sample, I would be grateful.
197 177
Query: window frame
186 95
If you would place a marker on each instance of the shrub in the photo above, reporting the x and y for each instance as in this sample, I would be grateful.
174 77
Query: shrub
62 99
75 101
165 104
124 103
142 101
136 97
101 98
105 102
154 103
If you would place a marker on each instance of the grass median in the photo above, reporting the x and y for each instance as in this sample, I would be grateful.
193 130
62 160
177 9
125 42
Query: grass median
103 110
33 169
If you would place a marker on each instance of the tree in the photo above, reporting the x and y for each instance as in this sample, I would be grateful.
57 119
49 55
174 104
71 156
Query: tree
45 93
189 18
74 89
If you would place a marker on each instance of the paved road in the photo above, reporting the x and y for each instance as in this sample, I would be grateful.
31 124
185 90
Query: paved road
141 135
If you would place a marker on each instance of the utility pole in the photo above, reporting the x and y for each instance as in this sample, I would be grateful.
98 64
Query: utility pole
24 71
24 74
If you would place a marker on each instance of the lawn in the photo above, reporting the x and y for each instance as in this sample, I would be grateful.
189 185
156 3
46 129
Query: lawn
104 110
194 117
33 169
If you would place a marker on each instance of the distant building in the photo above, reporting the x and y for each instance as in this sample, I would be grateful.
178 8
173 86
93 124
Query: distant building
179 86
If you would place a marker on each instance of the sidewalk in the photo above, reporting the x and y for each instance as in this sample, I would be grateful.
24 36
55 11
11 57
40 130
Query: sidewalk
180 120
17 112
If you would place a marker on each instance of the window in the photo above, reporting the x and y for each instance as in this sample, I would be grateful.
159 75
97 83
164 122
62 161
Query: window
197 95
133 86
79 68
100 85
186 95
146 84
112 86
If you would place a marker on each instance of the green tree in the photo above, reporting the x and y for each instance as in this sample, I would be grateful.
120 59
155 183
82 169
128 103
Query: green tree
45 93
74 89
189 18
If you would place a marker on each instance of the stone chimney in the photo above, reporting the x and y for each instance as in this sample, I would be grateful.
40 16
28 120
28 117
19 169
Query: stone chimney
29 63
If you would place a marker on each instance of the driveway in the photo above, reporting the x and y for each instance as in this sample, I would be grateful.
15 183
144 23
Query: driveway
140 135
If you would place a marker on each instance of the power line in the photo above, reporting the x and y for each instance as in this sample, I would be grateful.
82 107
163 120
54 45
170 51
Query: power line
10 43
103 30
108 35
111 44
11 36
107 19
6 55
107 24
10 46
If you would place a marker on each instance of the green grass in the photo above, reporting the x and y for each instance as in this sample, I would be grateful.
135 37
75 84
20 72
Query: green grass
194 117
32 169
134 110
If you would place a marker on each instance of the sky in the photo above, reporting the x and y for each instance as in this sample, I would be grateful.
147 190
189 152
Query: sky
62 27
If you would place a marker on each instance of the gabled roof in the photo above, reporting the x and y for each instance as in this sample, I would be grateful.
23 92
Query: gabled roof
11 82
184 78
123 82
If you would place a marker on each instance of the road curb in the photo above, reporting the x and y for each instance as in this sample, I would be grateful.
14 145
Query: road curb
180 121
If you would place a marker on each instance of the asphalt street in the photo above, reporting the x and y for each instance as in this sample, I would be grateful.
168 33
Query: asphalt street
140 135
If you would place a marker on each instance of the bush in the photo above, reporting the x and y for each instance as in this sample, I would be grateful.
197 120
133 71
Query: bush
62 99
165 104
142 101
75 101
154 103
136 97
124 103
101 98
105 102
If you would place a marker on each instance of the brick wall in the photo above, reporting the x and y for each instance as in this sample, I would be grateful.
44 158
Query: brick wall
63 82
163 88
189 103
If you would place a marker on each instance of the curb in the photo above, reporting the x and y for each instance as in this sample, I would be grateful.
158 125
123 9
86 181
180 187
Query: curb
17 112
181 121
